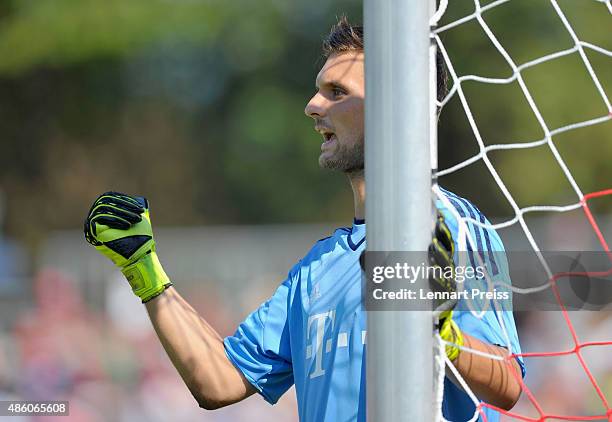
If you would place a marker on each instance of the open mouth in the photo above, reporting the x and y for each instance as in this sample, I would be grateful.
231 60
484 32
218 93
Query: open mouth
329 136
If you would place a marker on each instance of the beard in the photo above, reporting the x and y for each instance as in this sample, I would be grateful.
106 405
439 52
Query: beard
346 158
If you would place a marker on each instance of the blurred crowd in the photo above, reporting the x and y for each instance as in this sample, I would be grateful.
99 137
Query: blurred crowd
110 366
108 369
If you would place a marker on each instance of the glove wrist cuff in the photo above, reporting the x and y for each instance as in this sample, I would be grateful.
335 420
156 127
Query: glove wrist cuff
451 333
147 277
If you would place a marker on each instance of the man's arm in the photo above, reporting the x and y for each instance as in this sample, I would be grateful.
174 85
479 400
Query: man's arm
491 380
197 352
119 227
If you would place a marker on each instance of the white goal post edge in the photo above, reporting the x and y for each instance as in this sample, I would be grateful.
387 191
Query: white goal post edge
399 208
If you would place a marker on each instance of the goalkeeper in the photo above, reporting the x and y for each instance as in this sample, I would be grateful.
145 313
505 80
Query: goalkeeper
311 332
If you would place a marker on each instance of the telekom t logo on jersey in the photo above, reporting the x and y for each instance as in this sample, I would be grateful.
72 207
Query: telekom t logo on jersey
318 324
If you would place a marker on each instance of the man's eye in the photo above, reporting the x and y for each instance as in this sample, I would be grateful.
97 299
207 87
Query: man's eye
337 92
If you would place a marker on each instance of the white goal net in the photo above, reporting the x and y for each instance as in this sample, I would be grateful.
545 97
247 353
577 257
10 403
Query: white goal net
533 96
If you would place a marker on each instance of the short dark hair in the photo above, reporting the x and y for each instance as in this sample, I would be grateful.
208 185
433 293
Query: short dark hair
347 37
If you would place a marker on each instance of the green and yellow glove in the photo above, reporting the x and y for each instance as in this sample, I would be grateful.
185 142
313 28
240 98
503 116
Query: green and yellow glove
119 227
441 252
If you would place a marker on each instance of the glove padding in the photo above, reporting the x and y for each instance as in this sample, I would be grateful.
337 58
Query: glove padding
441 252
119 226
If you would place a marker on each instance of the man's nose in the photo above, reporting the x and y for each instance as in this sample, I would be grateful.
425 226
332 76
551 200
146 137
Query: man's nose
316 106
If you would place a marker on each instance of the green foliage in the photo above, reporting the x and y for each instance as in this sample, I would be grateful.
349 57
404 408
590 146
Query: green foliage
215 90
61 32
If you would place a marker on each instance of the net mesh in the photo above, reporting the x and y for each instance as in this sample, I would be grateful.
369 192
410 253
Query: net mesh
581 202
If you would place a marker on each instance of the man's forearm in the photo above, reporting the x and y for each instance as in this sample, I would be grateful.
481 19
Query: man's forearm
490 379
197 352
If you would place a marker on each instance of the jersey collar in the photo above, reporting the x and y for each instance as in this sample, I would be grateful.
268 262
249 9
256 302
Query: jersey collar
357 235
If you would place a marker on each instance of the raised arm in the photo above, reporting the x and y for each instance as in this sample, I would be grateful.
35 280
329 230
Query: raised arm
119 227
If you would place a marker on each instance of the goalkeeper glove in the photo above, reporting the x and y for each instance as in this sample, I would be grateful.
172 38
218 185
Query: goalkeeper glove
119 227
440 253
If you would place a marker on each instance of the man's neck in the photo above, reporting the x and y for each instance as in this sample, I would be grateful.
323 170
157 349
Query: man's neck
357 181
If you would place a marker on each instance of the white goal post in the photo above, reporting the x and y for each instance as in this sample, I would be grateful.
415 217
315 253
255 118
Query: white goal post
399 108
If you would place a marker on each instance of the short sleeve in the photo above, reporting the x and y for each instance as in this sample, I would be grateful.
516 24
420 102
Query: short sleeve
260 347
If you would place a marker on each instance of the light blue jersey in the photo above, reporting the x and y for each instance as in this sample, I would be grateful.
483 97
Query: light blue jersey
312 331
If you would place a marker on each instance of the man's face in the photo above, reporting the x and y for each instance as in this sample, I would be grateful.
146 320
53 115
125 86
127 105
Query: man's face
337 109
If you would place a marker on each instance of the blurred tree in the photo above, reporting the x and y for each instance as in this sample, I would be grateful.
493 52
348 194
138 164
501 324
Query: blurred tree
199 106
